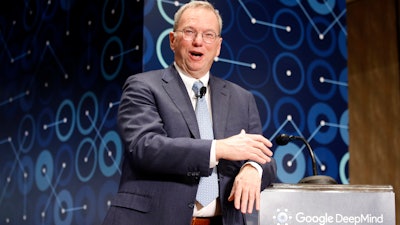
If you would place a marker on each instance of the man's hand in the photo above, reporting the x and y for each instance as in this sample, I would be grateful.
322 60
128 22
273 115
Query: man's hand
244 146
246 189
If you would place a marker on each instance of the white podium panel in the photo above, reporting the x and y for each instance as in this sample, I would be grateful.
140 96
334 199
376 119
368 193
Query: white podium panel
306 204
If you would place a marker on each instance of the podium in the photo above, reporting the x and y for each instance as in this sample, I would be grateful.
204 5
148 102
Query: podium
307 204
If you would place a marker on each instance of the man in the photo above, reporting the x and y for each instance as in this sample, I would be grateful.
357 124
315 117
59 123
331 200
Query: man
166 155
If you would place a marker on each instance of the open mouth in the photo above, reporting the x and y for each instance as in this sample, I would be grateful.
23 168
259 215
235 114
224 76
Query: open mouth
196 54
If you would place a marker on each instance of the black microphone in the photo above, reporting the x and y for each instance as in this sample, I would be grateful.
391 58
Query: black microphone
202 91
284 139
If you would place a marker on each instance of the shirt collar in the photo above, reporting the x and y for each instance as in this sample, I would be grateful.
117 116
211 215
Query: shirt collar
189 80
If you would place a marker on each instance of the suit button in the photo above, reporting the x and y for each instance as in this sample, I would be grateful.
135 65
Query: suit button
191 205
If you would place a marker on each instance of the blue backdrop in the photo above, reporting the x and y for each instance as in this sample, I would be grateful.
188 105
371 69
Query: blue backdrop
293 56
63 64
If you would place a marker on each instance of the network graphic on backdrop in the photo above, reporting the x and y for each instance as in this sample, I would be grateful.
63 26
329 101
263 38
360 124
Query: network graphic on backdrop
64 65
292 56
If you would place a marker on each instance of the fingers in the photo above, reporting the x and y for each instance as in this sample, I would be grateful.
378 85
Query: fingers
244 146
244 199
260 142
245 192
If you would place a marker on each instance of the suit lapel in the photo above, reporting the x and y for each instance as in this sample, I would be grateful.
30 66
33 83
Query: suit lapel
176 90
219 103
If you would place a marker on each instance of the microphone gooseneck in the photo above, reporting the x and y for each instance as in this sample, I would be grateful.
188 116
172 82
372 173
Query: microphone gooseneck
284 139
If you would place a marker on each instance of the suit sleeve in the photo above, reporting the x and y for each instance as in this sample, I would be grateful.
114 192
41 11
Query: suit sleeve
269 169
156 138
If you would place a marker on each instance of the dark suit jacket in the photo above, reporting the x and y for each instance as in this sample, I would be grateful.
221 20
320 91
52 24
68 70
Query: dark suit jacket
164 155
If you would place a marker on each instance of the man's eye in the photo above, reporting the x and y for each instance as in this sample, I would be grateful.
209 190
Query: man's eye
209 35
189 32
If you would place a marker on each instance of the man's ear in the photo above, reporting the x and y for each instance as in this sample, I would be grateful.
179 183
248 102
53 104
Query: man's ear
172 40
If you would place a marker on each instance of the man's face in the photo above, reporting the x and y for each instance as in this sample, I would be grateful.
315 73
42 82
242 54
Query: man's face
195 56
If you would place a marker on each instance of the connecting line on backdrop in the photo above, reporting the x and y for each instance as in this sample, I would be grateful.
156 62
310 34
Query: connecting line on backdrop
13 98
337 18
251 65
289 119
17 162
330 81
98 134
321 34
255 21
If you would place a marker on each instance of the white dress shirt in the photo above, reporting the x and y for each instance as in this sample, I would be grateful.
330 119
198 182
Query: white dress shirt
213 208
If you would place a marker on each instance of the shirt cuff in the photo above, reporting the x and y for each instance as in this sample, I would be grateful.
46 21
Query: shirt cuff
255 165
213 156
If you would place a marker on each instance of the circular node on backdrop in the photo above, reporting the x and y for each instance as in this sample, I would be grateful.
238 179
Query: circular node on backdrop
290 34
48 82
228 15
322 7
223 67
31 51
255 73
291 165
110 156
8 181
343 168
28 89
109 102
288 73
320 76
321 41
148 45
319 115
264 109
25 175
63 164
109 105
68 85
44 170
42 209
86 160
106 194
88 68
26 133
62 212
344 132
169 8
326 159
253 29
135 51
44 127
31 14
49 10
163 39
87 113
89 26
86 200
112 57
289 106
65 120
50 37
112 15
8 92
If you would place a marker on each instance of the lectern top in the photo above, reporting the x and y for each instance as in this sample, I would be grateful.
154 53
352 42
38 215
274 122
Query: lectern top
335 187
